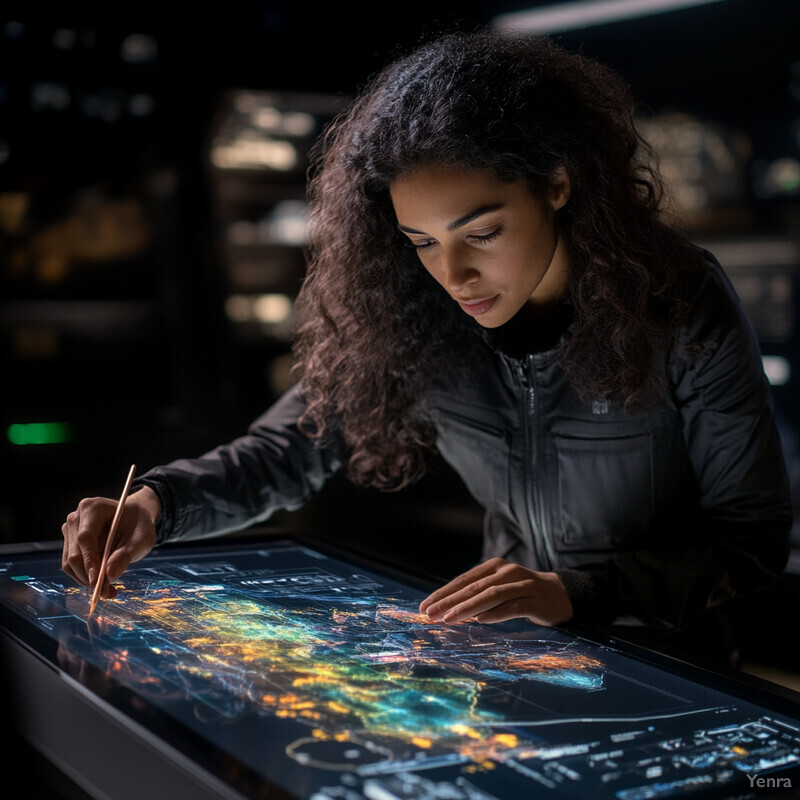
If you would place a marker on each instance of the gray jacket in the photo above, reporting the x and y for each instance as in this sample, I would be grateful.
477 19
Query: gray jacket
651 517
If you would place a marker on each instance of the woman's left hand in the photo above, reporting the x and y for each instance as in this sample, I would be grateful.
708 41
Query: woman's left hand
498 590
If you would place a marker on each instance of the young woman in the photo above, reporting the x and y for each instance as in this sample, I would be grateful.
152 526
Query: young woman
490 276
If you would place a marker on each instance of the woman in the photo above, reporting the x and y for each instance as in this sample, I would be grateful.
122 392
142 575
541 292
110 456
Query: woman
490 275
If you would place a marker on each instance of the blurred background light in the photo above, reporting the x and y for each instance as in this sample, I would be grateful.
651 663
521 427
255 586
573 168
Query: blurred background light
24 433
139 48
778 177
250 152
141 105
287 123
287 223
567 16
14 29
50 96
272 309
65 38
777 369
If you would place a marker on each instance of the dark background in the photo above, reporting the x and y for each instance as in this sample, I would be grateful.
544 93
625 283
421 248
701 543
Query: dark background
129 251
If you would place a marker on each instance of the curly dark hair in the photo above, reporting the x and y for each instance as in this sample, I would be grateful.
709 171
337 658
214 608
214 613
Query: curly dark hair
379 328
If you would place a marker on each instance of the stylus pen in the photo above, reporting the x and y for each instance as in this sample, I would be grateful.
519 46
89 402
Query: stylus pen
111 533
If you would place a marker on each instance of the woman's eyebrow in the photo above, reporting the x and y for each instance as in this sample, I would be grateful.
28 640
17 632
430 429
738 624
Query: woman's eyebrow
461 221
478 212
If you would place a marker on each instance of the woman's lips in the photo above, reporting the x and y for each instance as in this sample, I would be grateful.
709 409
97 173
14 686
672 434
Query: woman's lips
478 307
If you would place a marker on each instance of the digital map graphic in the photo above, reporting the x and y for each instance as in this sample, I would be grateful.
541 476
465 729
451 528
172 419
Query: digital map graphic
319 674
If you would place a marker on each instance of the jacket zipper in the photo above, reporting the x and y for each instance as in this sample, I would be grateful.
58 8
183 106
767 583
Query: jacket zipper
533 505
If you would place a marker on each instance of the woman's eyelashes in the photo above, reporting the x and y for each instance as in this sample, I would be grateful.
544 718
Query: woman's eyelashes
480 238
485 238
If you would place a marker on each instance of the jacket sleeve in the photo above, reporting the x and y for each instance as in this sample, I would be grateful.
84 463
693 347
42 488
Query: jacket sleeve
740 540
275 466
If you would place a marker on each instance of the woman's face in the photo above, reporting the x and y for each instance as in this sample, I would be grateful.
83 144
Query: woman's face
492 245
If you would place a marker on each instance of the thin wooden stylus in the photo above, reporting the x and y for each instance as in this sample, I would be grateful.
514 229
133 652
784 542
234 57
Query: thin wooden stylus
111 533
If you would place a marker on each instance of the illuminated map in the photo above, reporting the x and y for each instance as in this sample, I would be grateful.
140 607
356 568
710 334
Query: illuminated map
319 674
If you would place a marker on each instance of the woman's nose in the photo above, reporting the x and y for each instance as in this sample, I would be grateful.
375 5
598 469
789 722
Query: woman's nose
457 274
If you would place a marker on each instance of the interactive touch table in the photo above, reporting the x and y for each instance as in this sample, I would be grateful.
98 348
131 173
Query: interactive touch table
280 669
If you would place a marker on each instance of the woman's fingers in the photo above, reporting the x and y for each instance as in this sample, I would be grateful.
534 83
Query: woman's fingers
85 531
516 608
84 535
470 584
484 570
492 597
498 590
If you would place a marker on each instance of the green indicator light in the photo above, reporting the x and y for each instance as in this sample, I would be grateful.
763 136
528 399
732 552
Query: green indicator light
21 433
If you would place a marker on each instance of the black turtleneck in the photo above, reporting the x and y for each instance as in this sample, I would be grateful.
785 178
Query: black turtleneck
532 330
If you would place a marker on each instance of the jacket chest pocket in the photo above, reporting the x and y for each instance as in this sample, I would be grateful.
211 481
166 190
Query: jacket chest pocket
479 451
605 488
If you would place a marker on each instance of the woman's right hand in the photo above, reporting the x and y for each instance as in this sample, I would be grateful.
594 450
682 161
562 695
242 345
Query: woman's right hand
86 530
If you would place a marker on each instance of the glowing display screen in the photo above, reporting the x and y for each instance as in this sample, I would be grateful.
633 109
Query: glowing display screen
315 674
